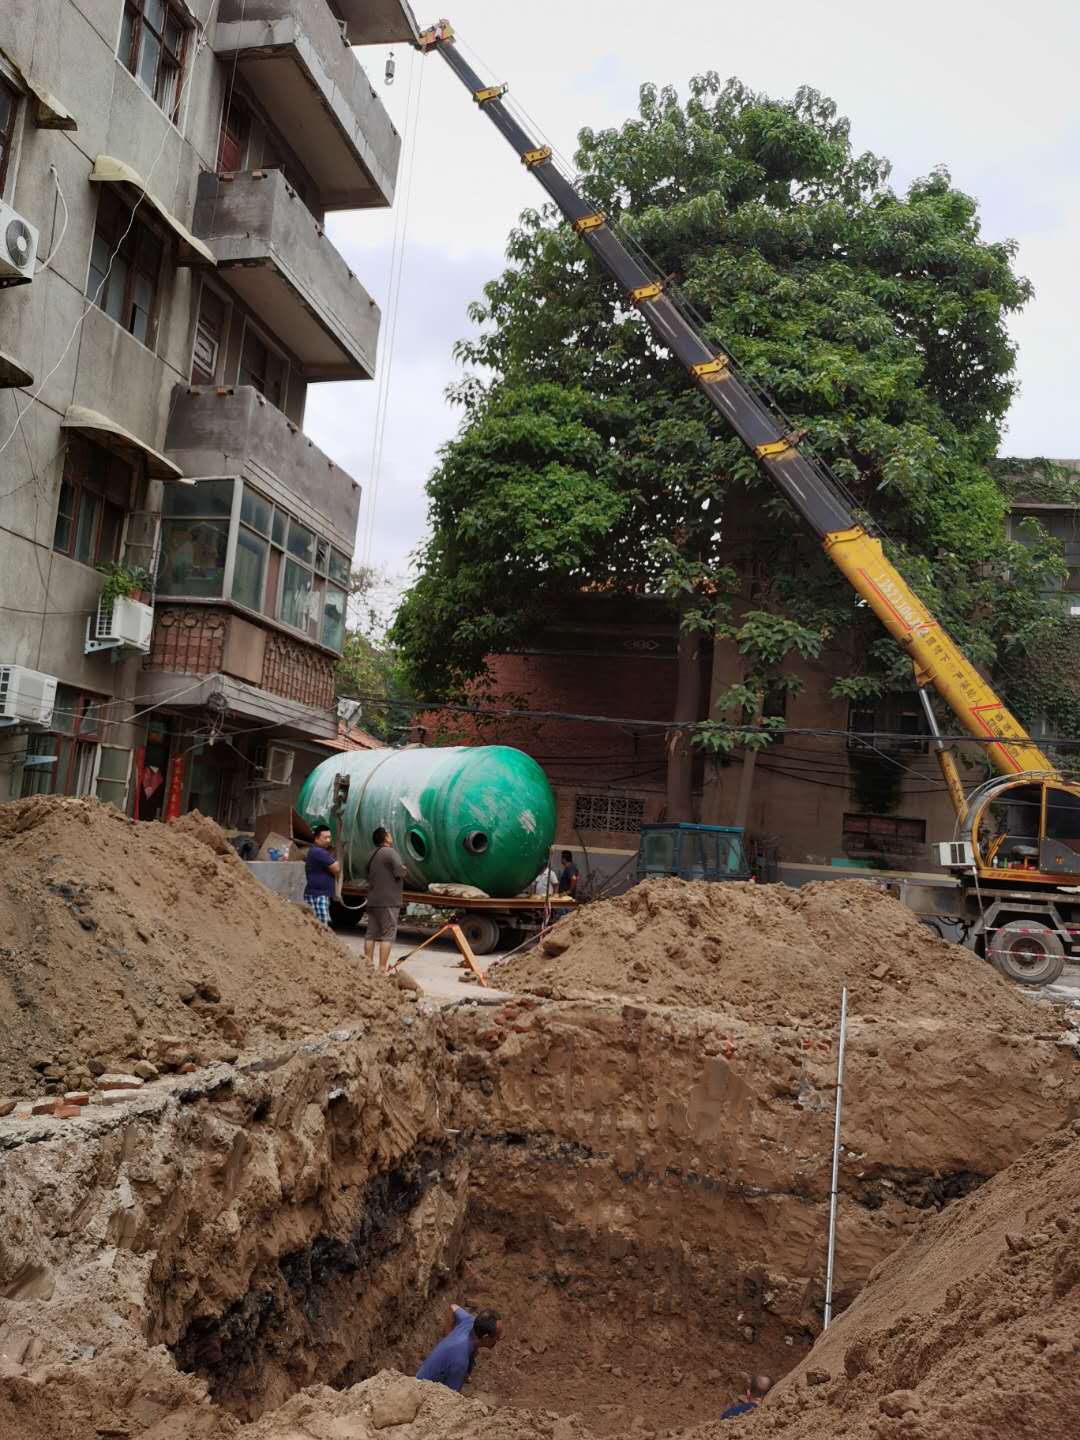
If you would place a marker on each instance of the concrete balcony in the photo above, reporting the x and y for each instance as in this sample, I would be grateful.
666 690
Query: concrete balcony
292 55
236 432
273 253
376 22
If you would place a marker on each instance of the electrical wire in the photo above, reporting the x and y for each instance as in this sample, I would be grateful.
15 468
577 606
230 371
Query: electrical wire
44 264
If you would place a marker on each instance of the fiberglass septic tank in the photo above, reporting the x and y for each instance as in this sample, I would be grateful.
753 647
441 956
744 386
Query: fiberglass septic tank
479 815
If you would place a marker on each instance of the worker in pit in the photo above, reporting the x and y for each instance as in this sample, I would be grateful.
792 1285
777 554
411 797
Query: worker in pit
320 872
453 1358
756 1391
386 879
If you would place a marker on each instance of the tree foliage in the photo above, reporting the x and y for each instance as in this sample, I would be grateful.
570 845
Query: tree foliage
877 320
369 669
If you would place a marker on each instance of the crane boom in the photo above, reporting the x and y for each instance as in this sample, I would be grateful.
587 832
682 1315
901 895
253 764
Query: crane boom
806 482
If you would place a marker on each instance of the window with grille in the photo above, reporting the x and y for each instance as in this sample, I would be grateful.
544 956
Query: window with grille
125 268
263 367
152 44
618 814
878 834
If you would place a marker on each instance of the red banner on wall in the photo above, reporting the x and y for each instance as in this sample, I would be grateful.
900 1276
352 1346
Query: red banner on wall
176 789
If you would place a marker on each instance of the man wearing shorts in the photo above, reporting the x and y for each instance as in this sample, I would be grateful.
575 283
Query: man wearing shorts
386 876
320 872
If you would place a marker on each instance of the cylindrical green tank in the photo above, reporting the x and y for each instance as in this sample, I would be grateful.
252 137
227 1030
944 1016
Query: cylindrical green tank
481 815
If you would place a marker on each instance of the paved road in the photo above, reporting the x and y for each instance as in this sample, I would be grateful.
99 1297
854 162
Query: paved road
436 968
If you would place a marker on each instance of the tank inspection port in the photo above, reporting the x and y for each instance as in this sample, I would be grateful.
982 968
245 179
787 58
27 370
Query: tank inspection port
476 842
416 844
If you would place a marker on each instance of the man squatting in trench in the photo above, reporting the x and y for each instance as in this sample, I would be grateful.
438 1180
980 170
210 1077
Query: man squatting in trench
452 1360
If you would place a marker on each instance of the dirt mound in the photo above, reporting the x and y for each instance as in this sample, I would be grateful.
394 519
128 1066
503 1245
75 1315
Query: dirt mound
115 934
970 1329
765 953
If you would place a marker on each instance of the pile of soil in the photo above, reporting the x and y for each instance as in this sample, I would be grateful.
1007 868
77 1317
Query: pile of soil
970 1329
115 934
765 953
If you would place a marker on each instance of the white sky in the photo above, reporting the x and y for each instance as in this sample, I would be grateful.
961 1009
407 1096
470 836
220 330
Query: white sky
986 87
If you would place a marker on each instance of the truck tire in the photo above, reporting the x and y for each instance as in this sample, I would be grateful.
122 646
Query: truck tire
1028 952
346 917
482 933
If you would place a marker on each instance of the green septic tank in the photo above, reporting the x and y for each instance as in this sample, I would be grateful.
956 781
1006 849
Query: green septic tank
479 815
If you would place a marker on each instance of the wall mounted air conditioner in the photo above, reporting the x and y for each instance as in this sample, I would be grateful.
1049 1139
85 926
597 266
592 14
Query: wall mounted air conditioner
279 764
955 854
26 696
18 247
120 624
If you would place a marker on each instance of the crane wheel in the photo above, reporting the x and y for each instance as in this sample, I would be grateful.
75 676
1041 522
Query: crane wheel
1027 952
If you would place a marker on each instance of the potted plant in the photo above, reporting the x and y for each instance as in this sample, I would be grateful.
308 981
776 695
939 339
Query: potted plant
123 582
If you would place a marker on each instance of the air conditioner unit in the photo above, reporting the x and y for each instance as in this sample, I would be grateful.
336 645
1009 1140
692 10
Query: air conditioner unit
18 247
120 624
955 854
279 764
26 696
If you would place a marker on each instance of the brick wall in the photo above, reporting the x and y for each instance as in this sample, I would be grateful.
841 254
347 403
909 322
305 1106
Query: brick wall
192 640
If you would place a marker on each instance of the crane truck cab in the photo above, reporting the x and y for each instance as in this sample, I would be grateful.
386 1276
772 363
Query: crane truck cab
692 852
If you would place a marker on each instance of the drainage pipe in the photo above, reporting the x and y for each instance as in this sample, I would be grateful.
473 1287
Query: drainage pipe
833 1193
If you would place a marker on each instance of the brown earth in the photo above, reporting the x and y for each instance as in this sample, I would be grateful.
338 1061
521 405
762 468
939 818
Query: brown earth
767 953
114 934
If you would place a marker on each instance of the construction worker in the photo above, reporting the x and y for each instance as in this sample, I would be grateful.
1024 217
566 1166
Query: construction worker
453 1358
756 1391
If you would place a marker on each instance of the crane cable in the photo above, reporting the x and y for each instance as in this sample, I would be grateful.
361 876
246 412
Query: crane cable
397 268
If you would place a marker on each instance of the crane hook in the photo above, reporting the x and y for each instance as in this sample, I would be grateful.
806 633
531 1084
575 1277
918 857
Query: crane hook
391 69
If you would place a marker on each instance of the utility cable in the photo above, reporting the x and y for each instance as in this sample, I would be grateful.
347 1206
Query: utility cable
44 264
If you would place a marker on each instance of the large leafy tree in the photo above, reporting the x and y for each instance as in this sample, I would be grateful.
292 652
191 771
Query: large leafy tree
585 458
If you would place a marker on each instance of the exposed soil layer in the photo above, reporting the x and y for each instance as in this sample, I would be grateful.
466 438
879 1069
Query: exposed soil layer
767 953
115 934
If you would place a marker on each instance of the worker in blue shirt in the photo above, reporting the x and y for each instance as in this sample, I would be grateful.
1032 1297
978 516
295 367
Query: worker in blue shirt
452 1360
758 1388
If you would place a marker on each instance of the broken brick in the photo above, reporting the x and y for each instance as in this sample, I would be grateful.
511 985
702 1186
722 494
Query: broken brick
77 1097
66 1112
119 1082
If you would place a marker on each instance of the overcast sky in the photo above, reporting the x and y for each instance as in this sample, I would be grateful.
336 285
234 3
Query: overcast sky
985 87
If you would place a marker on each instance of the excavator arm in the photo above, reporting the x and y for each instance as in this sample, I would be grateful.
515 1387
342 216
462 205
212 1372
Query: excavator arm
808 485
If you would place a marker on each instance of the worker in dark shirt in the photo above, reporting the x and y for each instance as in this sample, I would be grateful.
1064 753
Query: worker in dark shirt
569 875
453 1358
320 872
758 1388
386 873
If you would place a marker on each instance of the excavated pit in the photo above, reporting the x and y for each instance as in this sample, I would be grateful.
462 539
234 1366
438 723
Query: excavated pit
637 1179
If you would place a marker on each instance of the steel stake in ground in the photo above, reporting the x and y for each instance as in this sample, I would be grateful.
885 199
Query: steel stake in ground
833 1193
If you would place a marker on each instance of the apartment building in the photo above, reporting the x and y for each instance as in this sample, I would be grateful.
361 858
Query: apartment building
168 293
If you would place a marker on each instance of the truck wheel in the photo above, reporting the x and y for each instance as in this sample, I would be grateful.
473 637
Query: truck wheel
346 917
1027 952
482 933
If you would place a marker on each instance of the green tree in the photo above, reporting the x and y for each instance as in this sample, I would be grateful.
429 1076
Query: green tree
369 669
876 320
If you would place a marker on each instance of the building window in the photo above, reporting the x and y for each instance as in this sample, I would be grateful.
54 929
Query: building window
152 43
609 814
73 743
94 496
870 836
263 367
280 567
9 109
195 539
210 331
125 268
774 707
896 723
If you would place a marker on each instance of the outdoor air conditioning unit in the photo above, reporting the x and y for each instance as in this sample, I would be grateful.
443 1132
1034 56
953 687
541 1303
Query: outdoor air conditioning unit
279 764
955 854
18 248
26 696
120 624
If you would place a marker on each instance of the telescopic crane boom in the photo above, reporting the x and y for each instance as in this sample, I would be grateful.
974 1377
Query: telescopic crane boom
808 485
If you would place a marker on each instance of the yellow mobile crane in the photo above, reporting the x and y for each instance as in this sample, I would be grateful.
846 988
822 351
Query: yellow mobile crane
1015 857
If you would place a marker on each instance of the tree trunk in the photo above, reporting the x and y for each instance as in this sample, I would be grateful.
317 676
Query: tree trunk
680 761
746 775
